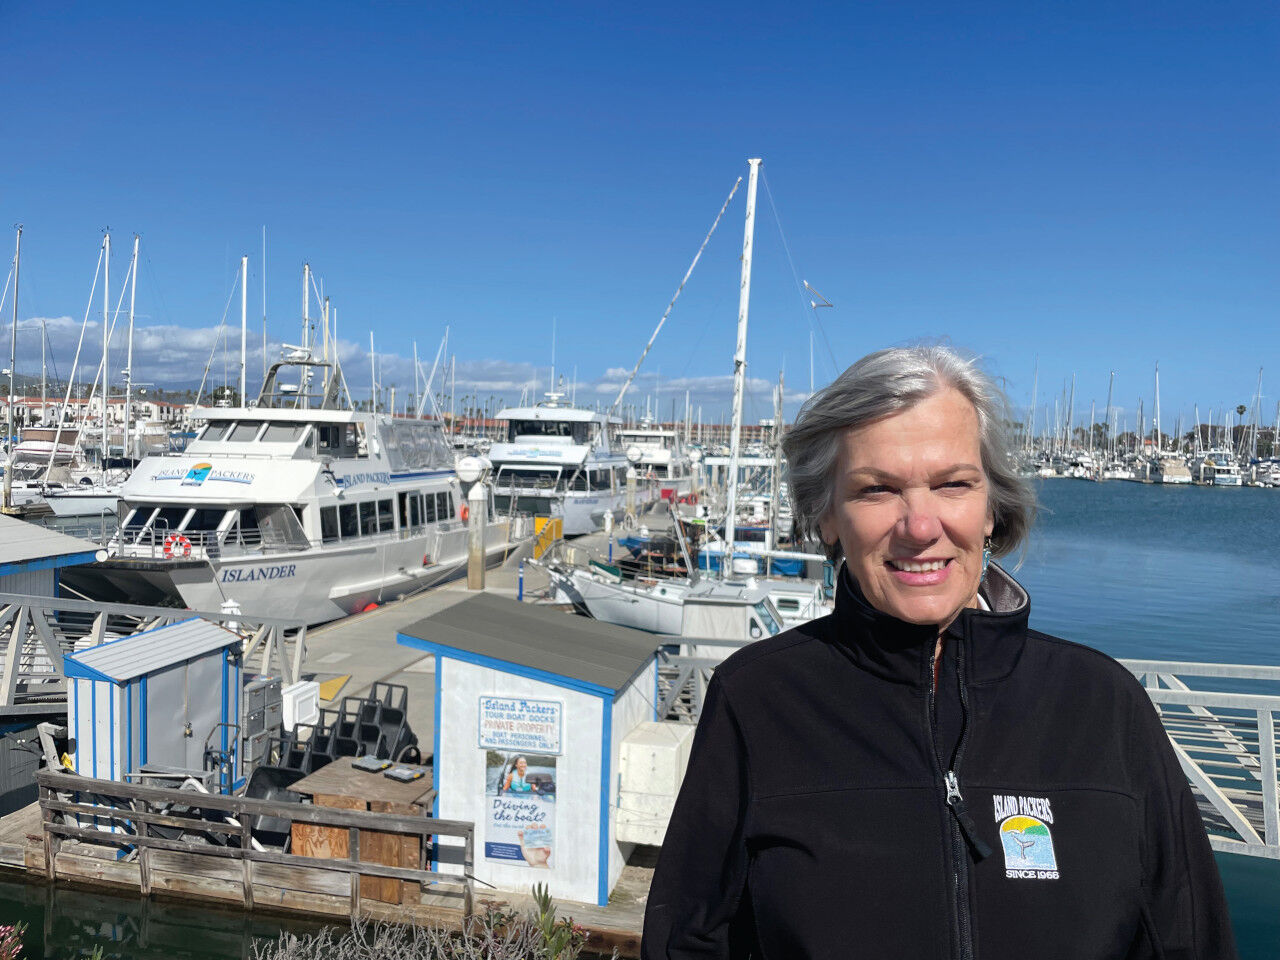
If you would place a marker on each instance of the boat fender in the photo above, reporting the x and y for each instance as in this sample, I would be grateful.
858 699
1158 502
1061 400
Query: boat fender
369 606
175 544
463 512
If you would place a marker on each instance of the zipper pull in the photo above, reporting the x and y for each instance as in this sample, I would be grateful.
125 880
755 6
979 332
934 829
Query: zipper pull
967 827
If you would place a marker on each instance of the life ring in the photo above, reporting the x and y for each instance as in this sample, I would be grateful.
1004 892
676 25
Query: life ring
463 512
176 543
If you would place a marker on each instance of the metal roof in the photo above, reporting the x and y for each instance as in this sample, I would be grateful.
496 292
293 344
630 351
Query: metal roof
147 652
593 653
22 544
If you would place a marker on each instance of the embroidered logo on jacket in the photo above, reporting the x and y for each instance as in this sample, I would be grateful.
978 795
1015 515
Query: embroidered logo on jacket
1026 837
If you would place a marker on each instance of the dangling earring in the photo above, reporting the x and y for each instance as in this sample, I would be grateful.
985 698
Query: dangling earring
987 544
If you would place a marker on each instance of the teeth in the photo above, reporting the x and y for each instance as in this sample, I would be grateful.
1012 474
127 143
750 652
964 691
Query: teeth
909 567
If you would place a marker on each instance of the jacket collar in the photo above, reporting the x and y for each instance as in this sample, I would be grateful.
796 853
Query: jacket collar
990 640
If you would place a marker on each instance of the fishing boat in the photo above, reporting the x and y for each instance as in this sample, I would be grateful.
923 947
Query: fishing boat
297 507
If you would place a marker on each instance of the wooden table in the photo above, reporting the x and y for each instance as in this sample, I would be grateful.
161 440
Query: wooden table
338 784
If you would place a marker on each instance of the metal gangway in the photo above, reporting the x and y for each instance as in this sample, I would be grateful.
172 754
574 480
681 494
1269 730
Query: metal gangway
37 632
1220 717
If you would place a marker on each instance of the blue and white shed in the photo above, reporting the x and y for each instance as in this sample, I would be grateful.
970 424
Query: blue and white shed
155 699
531 707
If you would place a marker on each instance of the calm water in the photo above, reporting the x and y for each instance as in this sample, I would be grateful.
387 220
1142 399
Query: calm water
1135 570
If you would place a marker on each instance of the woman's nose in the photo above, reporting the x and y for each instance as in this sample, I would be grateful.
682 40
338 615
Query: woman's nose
920 523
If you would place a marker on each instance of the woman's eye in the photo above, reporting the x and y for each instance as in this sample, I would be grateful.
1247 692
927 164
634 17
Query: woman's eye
873 489
957 485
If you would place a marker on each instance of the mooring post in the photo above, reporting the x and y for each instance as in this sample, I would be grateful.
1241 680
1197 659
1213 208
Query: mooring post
476 503
520 584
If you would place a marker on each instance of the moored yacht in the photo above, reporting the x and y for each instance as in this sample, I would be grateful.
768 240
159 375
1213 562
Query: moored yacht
662 457
557 460
298 507
1218 468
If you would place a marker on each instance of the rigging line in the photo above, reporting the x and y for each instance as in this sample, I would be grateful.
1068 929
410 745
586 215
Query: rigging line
216 337
813 317
696 257
4 296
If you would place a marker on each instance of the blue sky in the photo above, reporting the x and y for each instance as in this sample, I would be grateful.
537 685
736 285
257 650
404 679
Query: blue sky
1090 184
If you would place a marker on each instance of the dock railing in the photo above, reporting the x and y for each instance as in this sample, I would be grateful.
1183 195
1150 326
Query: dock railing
1226 743
131 816
37 632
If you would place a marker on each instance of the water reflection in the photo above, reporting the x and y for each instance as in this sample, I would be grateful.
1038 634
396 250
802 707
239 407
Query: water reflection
65 922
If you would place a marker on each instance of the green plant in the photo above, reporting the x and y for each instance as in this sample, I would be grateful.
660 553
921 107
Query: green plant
560 938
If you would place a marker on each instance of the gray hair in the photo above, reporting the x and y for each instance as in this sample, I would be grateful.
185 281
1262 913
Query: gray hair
887 382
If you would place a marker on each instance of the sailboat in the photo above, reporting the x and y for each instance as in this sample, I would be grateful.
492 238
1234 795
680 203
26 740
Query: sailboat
729 607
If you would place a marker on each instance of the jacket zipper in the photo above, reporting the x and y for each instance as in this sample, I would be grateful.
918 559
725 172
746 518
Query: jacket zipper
964 834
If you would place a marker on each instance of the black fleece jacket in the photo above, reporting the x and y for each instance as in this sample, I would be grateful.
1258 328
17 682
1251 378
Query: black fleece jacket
815 819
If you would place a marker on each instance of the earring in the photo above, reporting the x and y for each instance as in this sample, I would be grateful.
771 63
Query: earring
987 544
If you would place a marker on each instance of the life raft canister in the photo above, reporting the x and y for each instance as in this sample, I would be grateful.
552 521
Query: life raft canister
175 544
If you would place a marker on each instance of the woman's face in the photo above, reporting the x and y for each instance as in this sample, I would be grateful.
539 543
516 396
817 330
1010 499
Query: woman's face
521 766
910 509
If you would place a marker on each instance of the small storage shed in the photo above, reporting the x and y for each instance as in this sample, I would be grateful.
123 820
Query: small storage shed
31 556
531 707
154 700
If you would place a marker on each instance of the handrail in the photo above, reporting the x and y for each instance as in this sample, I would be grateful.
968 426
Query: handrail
127 796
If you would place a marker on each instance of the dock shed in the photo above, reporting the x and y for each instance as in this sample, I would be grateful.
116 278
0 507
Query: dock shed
531 707
32 555
166 699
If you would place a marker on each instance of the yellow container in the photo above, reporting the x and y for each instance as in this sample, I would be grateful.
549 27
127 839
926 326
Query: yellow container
548 530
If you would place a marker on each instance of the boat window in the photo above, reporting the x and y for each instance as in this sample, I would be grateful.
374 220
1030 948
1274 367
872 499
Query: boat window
328 524
215 431
368 518
386 519
580 479
168 518
330 438
415 509
538 428
766 616
283 432
205 518
245 431
601 480
348 521
444 506
787 604
280 525
429 507
355 440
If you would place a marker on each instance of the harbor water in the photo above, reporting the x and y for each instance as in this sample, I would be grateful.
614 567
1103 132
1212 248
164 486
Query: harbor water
1171 573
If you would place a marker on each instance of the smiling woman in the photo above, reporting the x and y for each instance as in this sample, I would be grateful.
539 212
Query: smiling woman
824 791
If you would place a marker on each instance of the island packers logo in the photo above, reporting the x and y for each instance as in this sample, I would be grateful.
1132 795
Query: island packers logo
196 475
1026 837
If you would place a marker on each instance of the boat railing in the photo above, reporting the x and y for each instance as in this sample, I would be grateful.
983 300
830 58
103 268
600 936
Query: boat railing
1225 740
170 833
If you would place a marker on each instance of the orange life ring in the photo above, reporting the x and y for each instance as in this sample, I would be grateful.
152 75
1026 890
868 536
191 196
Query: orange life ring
176 543
463 512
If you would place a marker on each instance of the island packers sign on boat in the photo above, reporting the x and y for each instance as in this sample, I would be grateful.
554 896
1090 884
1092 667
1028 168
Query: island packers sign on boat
521 741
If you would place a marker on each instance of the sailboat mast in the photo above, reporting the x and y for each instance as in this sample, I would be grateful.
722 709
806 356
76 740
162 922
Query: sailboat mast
1031 415
1111 426
1159 445
128 366
106 340
44 370
13 345
244 324
740 368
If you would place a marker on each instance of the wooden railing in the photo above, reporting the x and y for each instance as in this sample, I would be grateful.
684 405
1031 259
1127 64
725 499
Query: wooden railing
132 811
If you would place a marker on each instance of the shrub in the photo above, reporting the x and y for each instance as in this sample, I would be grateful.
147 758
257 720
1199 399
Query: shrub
11 940
492 935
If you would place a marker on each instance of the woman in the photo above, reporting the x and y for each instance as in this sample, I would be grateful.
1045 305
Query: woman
515 781
919 774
